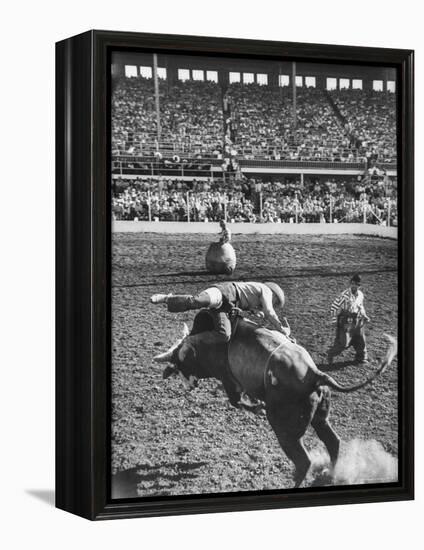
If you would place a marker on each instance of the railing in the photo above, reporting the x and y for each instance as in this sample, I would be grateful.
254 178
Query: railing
176 146
386 165
187 148
149 166
320 164
269 151
206 167
192 207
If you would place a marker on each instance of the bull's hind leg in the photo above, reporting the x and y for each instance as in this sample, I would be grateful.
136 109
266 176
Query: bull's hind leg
296 451
323 428
289 424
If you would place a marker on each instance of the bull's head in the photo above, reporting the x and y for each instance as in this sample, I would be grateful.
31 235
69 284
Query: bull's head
181 365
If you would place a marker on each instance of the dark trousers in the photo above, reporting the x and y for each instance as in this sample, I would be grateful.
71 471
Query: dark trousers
221 333
349 333
221 322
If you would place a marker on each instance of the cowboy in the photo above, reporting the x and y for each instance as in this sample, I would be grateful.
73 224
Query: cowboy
349 315
225 235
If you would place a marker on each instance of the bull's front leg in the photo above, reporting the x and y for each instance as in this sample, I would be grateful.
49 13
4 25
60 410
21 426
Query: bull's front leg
231 390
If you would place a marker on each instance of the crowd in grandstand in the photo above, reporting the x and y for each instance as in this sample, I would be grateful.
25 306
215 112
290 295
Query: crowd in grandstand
370 119
190 117
343 126
265 128
338 126
255 201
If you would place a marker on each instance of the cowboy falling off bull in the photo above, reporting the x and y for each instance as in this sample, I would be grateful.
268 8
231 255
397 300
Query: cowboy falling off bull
280 374
224 302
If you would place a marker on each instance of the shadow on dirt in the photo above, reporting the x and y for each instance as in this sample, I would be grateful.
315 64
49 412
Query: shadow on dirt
182 273
242 275
155 478
214 280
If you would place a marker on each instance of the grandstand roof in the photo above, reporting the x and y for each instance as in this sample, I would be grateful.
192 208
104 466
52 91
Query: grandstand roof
255 65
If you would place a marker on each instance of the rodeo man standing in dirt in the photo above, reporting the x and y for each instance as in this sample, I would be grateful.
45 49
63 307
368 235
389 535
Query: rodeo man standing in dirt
348 313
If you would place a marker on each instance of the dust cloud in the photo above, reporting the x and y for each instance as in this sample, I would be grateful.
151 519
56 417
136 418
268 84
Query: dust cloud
360 462
365 462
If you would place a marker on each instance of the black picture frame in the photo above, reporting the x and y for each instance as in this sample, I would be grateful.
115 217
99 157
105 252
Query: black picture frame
83 252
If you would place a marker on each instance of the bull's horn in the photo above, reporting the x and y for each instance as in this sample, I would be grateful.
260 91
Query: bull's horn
167 355
164 357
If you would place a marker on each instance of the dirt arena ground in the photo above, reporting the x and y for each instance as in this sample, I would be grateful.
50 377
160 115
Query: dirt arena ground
166 441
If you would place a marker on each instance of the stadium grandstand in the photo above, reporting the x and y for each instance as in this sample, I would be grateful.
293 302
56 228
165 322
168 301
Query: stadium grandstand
200 138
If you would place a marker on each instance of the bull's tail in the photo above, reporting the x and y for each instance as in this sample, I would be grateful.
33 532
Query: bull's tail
383 364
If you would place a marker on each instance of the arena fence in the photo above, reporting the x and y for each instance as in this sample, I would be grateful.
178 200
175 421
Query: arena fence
208 167
261 213
255 228
131 166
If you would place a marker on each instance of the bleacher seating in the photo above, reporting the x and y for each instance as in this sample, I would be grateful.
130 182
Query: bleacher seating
340 126
190 118
370 119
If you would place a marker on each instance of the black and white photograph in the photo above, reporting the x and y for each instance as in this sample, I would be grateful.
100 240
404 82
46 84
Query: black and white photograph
254 275
211 232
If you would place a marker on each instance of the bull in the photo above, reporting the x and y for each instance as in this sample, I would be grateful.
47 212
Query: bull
272 369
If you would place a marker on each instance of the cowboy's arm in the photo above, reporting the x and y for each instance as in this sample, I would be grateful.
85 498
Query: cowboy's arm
362 308
335 308
271 316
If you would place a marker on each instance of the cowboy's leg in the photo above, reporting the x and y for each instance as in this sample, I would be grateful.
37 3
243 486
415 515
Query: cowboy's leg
211 297
338 345
221 325
360 345
222 333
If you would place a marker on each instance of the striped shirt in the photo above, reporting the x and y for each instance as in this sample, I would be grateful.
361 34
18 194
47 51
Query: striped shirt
347 301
